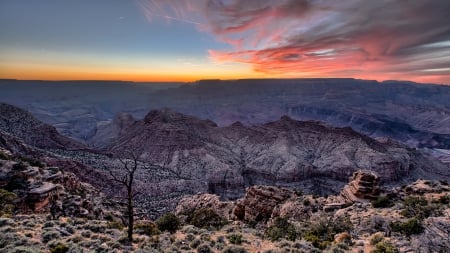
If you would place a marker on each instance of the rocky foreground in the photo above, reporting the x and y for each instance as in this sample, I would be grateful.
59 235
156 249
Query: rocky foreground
48 209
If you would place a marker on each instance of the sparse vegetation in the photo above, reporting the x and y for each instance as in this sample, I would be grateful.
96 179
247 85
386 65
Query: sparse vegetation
409 227
7 203
382 202
444 199
146 228
59 248
418 207
235 239
322 233
281 228
384 246
234 249
204 248
206 218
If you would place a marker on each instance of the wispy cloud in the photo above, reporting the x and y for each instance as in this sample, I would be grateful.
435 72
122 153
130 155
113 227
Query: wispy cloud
367 39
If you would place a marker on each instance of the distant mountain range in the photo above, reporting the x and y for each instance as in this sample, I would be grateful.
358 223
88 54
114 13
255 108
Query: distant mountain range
415 114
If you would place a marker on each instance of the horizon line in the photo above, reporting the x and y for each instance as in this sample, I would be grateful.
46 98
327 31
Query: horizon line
218 79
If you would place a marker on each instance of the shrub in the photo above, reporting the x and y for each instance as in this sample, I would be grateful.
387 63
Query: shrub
418 207
235 239
23 249
410 227
194 244
204 249
115 225
382 202
17 183
168 222
376 238
281 228
322 233
59 248
4 156
384 247
5 221
32 161
298 192
20 166
206 218
86 233
95 227
234 249
445 199
7 203
48 236
146 228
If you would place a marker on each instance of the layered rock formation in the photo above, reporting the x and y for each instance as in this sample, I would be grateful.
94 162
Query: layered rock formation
41 189
363 186
286 152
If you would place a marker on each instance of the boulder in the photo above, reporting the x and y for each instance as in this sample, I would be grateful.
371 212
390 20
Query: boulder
259 202
39 197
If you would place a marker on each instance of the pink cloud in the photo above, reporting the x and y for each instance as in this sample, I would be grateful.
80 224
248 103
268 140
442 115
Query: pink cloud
365 39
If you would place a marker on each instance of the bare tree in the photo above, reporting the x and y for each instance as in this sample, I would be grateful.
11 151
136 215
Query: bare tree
126 178
130 164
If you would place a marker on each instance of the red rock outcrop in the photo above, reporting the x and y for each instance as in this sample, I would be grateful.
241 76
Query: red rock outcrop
363 185
259 202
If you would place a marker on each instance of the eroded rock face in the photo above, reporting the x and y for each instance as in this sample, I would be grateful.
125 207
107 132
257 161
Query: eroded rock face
259 202
363 185
286 152
39 197
43 189
200 201
26 127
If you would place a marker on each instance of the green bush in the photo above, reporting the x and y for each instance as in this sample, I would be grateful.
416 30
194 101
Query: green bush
376 239
235 239
281 228
382 202
419 208
384 247
7 203
168 222
206 218
146 228
410 227
59 248
321 234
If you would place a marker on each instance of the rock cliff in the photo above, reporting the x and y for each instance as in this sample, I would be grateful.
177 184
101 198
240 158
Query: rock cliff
286 152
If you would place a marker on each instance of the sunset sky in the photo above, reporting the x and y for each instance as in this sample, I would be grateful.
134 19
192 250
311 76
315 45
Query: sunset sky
186 40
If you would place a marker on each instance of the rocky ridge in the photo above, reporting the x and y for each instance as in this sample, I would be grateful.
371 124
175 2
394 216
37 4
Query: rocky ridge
265 204
21 124
286 152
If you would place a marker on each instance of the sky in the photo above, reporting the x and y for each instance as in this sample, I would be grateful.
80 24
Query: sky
187 40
